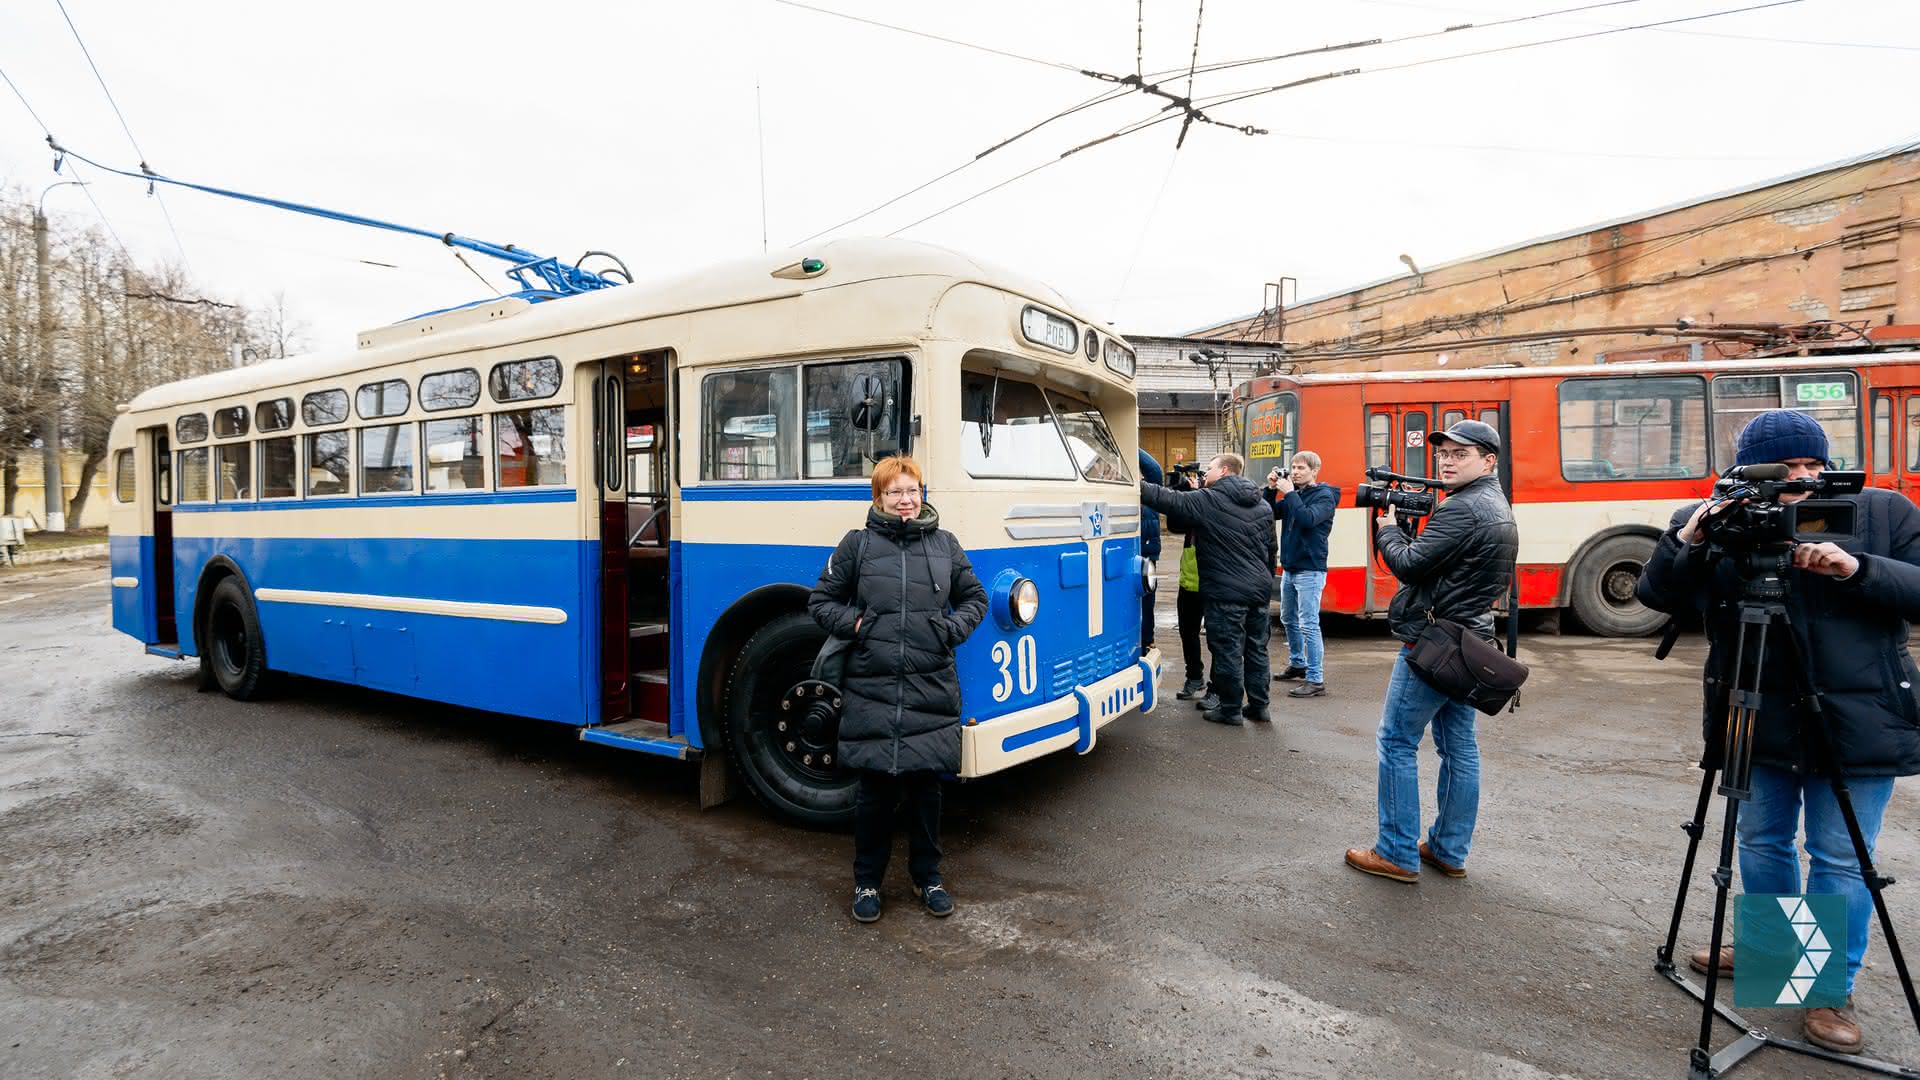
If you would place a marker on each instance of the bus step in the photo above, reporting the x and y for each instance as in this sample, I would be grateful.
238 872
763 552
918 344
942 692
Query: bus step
171 652
647 628
657 675
646 736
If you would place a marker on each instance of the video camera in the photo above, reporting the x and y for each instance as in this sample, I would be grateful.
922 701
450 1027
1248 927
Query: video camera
1757 520
1184 476
1413 496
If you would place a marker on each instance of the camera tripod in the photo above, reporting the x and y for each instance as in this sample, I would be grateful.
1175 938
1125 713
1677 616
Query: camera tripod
1763 614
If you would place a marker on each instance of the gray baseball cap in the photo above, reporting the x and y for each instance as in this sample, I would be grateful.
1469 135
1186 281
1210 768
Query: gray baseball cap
1470 433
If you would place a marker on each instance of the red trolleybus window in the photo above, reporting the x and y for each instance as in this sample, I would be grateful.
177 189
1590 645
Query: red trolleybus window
1831 397
1415 453
1379 441
1614 428
1882 433
1913 427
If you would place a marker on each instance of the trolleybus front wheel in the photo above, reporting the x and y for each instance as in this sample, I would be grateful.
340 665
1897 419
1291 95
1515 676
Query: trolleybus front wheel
786 762
1603 587
234 647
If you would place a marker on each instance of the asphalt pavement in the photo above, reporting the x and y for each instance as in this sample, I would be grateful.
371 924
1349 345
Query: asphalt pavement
344 883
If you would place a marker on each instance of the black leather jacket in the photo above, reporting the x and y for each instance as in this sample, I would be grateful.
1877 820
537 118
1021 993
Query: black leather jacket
1459 565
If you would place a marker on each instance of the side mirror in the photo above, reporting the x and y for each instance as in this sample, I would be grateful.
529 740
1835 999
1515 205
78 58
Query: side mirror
868 411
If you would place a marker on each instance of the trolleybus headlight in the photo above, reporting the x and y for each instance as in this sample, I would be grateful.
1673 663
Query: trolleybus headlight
1145 575
1014 600
1026 601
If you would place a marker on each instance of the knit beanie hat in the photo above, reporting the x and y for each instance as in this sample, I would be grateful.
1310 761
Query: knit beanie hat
1780 435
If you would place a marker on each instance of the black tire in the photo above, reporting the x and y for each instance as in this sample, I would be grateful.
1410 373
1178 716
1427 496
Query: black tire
234 648
779 655
1603 584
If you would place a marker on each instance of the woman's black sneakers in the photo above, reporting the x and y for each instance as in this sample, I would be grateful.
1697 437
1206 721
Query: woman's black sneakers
939 904
866 905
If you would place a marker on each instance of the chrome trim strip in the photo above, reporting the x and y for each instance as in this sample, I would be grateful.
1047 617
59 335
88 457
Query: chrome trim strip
461 609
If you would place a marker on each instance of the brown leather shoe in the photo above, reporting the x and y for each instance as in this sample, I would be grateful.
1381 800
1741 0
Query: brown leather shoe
1837 1030
1698 961
1426 856
1365 861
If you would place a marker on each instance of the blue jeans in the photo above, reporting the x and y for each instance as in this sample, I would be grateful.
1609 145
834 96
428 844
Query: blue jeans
1300 611
1771 820
1411 705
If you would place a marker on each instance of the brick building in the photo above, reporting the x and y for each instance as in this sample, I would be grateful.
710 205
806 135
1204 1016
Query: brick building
1181 398
1837 242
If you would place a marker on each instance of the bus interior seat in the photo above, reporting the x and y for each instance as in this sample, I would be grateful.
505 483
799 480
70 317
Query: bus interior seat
1591 469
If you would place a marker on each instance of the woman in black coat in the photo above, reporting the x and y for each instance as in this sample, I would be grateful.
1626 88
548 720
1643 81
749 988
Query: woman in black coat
903 591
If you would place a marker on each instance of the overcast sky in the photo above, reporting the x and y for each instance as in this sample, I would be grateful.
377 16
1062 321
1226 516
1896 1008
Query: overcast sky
636 128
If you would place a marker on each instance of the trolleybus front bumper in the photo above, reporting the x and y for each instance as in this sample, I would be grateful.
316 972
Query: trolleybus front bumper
1071 721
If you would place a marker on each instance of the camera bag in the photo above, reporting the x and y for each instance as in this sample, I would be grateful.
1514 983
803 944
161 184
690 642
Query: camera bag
1465 666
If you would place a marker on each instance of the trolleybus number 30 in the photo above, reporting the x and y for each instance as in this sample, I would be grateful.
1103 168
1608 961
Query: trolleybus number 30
1003 655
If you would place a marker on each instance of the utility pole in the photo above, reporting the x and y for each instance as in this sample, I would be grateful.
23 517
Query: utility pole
56 492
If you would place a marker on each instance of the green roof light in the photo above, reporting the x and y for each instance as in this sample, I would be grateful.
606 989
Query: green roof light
812 266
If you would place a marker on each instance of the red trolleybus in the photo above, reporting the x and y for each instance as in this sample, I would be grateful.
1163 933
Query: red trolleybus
1597 457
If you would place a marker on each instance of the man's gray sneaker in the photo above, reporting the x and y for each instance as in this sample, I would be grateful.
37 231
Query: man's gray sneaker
1190 689
1208 703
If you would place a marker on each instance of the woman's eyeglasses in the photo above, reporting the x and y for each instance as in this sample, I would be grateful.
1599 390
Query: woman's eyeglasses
900 493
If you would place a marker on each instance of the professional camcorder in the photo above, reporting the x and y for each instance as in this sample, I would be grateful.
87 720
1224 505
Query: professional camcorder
1757 519
1413 496
1184 476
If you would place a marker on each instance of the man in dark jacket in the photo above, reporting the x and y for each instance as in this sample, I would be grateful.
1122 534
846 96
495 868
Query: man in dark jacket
1149 544
1304 507
1458 566
1851 604
1235 529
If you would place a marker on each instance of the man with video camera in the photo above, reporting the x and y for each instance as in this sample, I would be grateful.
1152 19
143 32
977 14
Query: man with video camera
1456 568
1235 531
1851 603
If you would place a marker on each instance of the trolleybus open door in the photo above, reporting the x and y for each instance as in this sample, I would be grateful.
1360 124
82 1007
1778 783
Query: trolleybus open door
162 625
1895 459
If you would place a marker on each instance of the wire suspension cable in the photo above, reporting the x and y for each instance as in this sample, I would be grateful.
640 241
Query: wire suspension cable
933 37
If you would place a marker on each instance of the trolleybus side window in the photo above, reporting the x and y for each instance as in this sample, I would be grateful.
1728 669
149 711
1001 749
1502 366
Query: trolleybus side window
193 476
454 451
162 470
530 448
1831 397
1380 440
524 380
1913 429
449 390
1007 430
387 398
278 469
747 422
1882 433
855 415
191 429
1089 441
123 476
230 423
1652 428
323 407
386 458
275 415
233 482
328 467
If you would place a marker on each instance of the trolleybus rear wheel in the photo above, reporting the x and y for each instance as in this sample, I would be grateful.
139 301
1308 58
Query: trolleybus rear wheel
235 648
1603 586
787 766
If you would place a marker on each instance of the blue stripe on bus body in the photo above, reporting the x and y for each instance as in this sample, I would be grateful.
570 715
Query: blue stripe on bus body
1040 734
475 498
527 669
779 493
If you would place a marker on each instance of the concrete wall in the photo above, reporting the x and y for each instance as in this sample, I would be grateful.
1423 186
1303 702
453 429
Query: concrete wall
1843 244
31 501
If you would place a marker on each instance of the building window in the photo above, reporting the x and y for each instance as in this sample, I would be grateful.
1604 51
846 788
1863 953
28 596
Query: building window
193 476
455 452
275 415
530 448
230 423
747 426
323 407
235 477
123 476
1652 428
450 390
328 464
388 398
191 429
856 414
386 458
524 380
1832 398
278 469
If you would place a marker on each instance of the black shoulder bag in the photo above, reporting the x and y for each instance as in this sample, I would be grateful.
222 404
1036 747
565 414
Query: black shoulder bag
1466 667
830 664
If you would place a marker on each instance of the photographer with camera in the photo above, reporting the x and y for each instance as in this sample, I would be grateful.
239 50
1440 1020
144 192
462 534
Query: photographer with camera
1234 528
1304 507
1852 603
1187 608
1456 568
